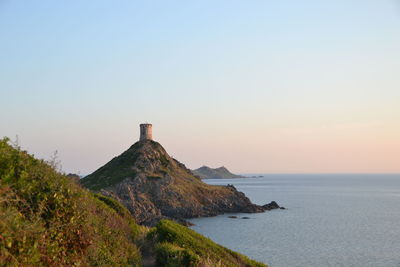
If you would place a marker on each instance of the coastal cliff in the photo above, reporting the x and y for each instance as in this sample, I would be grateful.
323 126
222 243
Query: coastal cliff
154 186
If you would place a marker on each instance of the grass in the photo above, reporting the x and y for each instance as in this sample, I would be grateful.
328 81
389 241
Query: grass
114 171
172 255
178 245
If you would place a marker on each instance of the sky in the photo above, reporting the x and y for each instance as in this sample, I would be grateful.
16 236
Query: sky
257 86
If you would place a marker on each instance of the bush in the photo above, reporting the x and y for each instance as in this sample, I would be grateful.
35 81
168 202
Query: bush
170 255
179 244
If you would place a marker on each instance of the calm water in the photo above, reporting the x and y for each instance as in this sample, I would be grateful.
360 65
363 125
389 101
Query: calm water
331 220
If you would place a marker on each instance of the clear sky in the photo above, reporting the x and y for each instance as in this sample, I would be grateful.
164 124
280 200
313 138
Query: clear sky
258 86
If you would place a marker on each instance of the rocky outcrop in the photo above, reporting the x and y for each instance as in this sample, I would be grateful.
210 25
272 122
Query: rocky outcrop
271 206
152 185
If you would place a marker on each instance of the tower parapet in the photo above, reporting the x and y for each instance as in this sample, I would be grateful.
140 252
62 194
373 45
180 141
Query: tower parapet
146 131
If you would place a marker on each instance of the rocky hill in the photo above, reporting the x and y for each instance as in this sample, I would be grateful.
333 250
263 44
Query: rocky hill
206 172
153 186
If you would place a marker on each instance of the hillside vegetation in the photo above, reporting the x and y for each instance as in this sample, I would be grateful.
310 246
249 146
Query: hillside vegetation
178 245
47 219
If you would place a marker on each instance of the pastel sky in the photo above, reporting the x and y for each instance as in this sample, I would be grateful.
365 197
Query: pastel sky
257 86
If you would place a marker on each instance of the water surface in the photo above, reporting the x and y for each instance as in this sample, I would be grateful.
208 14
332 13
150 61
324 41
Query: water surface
331 220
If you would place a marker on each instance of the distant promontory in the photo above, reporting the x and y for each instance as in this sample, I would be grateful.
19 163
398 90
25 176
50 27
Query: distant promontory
206 172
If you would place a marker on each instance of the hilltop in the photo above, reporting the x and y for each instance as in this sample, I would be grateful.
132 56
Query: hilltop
47 219
206 172
153 186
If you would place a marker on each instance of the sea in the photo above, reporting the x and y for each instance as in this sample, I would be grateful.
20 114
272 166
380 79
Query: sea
329 220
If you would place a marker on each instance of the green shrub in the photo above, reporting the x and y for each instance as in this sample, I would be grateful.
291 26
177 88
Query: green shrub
170 255
123 212
178 242
114 204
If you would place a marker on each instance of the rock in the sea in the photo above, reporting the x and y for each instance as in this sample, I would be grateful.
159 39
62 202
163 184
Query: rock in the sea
245 217
232 217
271 206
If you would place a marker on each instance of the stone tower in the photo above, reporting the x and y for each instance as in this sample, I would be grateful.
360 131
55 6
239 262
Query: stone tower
146 132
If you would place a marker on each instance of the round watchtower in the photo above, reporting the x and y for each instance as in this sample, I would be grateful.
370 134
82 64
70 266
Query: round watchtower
146 132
